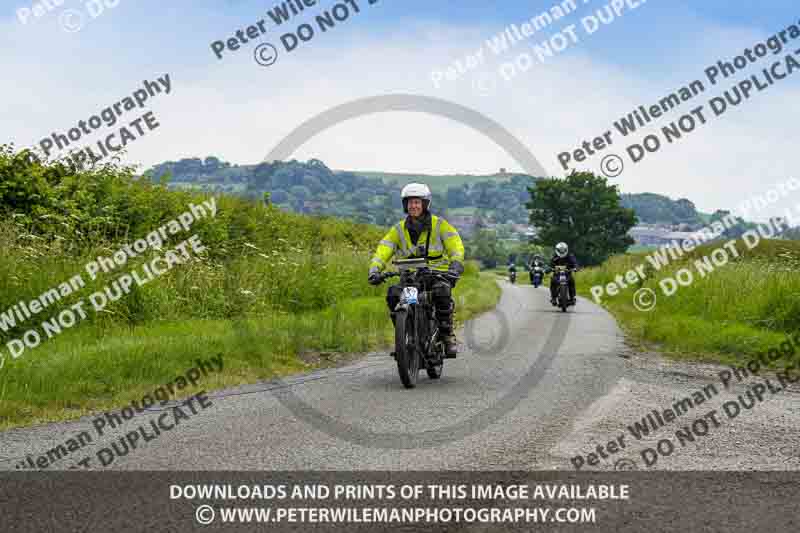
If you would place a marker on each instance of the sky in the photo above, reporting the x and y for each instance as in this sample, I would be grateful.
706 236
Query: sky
238 110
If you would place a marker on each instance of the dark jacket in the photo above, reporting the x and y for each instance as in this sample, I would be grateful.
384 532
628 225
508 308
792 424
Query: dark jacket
415 230
533 263
568 261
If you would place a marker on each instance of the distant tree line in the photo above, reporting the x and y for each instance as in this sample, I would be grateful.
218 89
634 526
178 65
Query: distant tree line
657 209
313 188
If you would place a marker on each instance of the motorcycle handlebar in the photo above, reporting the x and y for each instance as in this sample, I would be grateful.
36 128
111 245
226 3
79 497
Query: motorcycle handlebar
447 276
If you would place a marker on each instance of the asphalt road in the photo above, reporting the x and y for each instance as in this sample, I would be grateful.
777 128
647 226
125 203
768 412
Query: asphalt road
536 389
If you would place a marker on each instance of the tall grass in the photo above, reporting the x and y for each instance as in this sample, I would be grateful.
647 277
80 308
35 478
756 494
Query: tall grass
101 365
233 279
271 286
737 311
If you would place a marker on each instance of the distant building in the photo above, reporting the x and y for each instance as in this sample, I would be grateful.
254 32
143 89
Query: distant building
524 230
464 223
651 235
461 221
648 236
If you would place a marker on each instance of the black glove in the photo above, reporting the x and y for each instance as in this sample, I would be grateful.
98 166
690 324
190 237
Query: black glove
456 268
375 278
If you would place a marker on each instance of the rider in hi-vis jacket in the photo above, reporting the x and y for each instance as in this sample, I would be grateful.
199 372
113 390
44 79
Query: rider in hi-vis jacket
422 234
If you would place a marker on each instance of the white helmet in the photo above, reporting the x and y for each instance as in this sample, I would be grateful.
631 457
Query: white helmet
416 190
562 249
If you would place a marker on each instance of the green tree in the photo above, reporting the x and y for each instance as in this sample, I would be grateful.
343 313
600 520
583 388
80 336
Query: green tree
658 209
458 196
487 248
387 214
279 196
261 176
584 211
731 232
300 193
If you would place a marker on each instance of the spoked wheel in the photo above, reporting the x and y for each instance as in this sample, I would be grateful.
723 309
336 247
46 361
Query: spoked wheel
563 298
406 349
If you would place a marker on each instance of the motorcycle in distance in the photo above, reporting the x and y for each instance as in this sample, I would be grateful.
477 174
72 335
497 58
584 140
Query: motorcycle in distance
512 276
417 339
537 274
562 274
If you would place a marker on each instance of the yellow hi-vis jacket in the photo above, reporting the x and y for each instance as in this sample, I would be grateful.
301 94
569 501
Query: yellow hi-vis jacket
445 245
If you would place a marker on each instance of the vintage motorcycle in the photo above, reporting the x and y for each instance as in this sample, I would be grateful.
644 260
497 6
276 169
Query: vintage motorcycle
537 275
562 274
417 340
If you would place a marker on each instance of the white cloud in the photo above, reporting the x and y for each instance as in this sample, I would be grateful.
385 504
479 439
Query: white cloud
238 111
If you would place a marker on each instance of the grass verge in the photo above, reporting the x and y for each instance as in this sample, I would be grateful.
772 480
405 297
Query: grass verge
92 368
739 310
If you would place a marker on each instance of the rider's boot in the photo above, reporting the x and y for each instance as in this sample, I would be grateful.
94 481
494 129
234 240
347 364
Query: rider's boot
444 318
450 346
449 338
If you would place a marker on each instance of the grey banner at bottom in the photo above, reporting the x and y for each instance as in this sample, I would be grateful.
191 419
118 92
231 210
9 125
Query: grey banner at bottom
406 501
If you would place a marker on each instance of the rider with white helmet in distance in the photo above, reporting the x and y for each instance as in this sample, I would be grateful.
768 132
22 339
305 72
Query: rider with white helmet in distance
562 257
422 234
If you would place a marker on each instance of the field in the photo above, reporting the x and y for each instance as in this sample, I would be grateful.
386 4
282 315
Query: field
741 309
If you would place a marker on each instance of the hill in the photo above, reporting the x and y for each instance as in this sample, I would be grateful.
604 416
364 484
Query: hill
654 208
313 188
435 181
371 196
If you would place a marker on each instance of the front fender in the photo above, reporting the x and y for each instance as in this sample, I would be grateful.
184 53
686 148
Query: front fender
403 306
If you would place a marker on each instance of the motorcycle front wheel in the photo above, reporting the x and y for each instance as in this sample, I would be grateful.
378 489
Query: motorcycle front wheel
405 346
563 298
434 368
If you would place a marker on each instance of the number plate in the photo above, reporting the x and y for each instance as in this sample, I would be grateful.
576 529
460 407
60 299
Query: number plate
409 296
